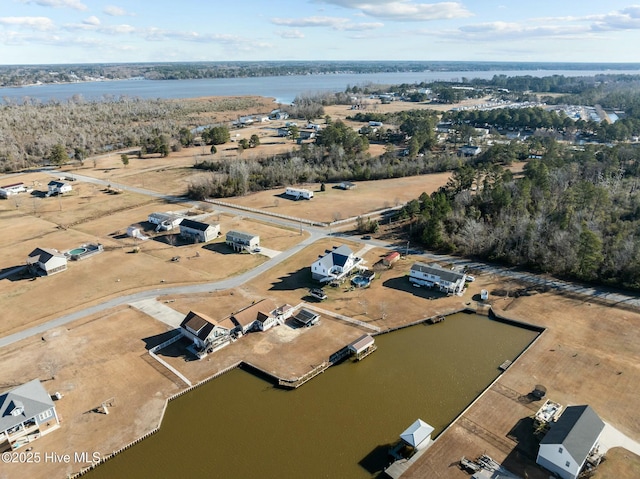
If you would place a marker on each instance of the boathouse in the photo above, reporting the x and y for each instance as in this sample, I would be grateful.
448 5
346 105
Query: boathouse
362 347
418 435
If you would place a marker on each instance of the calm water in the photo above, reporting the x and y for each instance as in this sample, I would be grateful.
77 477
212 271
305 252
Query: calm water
284 89
339 424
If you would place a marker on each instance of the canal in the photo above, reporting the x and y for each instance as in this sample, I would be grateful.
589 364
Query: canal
341 423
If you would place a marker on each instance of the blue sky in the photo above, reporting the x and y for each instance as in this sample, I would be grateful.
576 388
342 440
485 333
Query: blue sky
87 31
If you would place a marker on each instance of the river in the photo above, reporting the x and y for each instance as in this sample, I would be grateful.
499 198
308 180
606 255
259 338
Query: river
338 425
283 88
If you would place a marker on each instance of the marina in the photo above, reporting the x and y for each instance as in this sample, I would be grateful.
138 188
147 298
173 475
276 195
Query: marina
373 399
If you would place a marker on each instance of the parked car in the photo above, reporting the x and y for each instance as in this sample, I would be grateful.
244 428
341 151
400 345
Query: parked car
318 294
470 278
366 237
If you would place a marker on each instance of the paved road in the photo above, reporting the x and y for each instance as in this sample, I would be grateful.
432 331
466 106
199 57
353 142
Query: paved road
315 233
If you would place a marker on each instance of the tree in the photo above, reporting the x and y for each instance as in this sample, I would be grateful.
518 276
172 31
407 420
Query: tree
216 135
214 150
323 187
294 131
254 141
58 155
125 159
79 154
186 137
244 144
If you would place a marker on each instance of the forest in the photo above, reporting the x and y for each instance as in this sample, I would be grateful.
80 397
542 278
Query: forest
574 213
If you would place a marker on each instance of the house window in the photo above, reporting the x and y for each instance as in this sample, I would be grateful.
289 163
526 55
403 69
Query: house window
43 416
560 450
567 464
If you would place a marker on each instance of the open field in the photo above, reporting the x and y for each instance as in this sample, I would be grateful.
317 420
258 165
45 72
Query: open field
118 270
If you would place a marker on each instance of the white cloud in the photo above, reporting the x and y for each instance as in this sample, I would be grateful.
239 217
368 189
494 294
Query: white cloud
405 10
115 11
35 23
336 23
75 4
290 34
92 20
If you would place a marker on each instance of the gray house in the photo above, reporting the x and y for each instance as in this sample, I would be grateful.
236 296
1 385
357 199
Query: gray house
566 447
26 413
446 280
240 240
199 232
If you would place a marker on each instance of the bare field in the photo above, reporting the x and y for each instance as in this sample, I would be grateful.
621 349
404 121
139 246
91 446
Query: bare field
335 204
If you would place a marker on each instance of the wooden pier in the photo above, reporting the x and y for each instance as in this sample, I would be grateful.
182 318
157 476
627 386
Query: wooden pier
505 365
435 319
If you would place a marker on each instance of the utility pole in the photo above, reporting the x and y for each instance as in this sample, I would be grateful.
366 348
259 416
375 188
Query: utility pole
407 251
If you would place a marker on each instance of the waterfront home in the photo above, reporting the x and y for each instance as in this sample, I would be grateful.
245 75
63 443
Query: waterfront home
47 260
241 241
26 413
299 193
199 232
565 449
58 187
206 334
334 265
260 315
446 280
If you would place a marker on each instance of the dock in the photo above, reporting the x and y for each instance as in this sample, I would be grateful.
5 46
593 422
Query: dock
505 365
435 319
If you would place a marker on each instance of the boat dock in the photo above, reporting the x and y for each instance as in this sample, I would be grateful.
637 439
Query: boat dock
505 365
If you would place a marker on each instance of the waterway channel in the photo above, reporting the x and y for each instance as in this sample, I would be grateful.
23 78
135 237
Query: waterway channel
338 425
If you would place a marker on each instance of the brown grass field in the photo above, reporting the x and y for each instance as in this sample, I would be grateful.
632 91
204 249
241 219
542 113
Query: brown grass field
588 354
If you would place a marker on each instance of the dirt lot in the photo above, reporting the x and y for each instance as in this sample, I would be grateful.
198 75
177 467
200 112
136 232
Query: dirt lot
589 354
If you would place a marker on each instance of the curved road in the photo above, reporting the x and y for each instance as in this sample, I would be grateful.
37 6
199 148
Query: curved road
315 233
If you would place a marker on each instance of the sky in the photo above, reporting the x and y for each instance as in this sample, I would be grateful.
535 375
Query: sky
96 31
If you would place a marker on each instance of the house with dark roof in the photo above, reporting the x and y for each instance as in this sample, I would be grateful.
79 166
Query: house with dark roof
26 413
566 447
260 315
241 241
58 187
305 317
207 334
432 275
199 232
334 265
47 260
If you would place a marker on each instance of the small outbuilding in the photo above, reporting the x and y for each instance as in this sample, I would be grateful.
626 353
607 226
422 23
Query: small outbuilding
199 232
418 435
47 260
390 258
307 318
362 347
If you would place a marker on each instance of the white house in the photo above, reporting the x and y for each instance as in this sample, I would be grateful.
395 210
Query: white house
164 221
26 413
13 189
260 315
470 150
206 333
198 231
298 193
448 281
48 260
566 447
240 240
58 187
335 264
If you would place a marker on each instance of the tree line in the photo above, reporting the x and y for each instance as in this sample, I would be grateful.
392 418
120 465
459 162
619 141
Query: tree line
574 213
